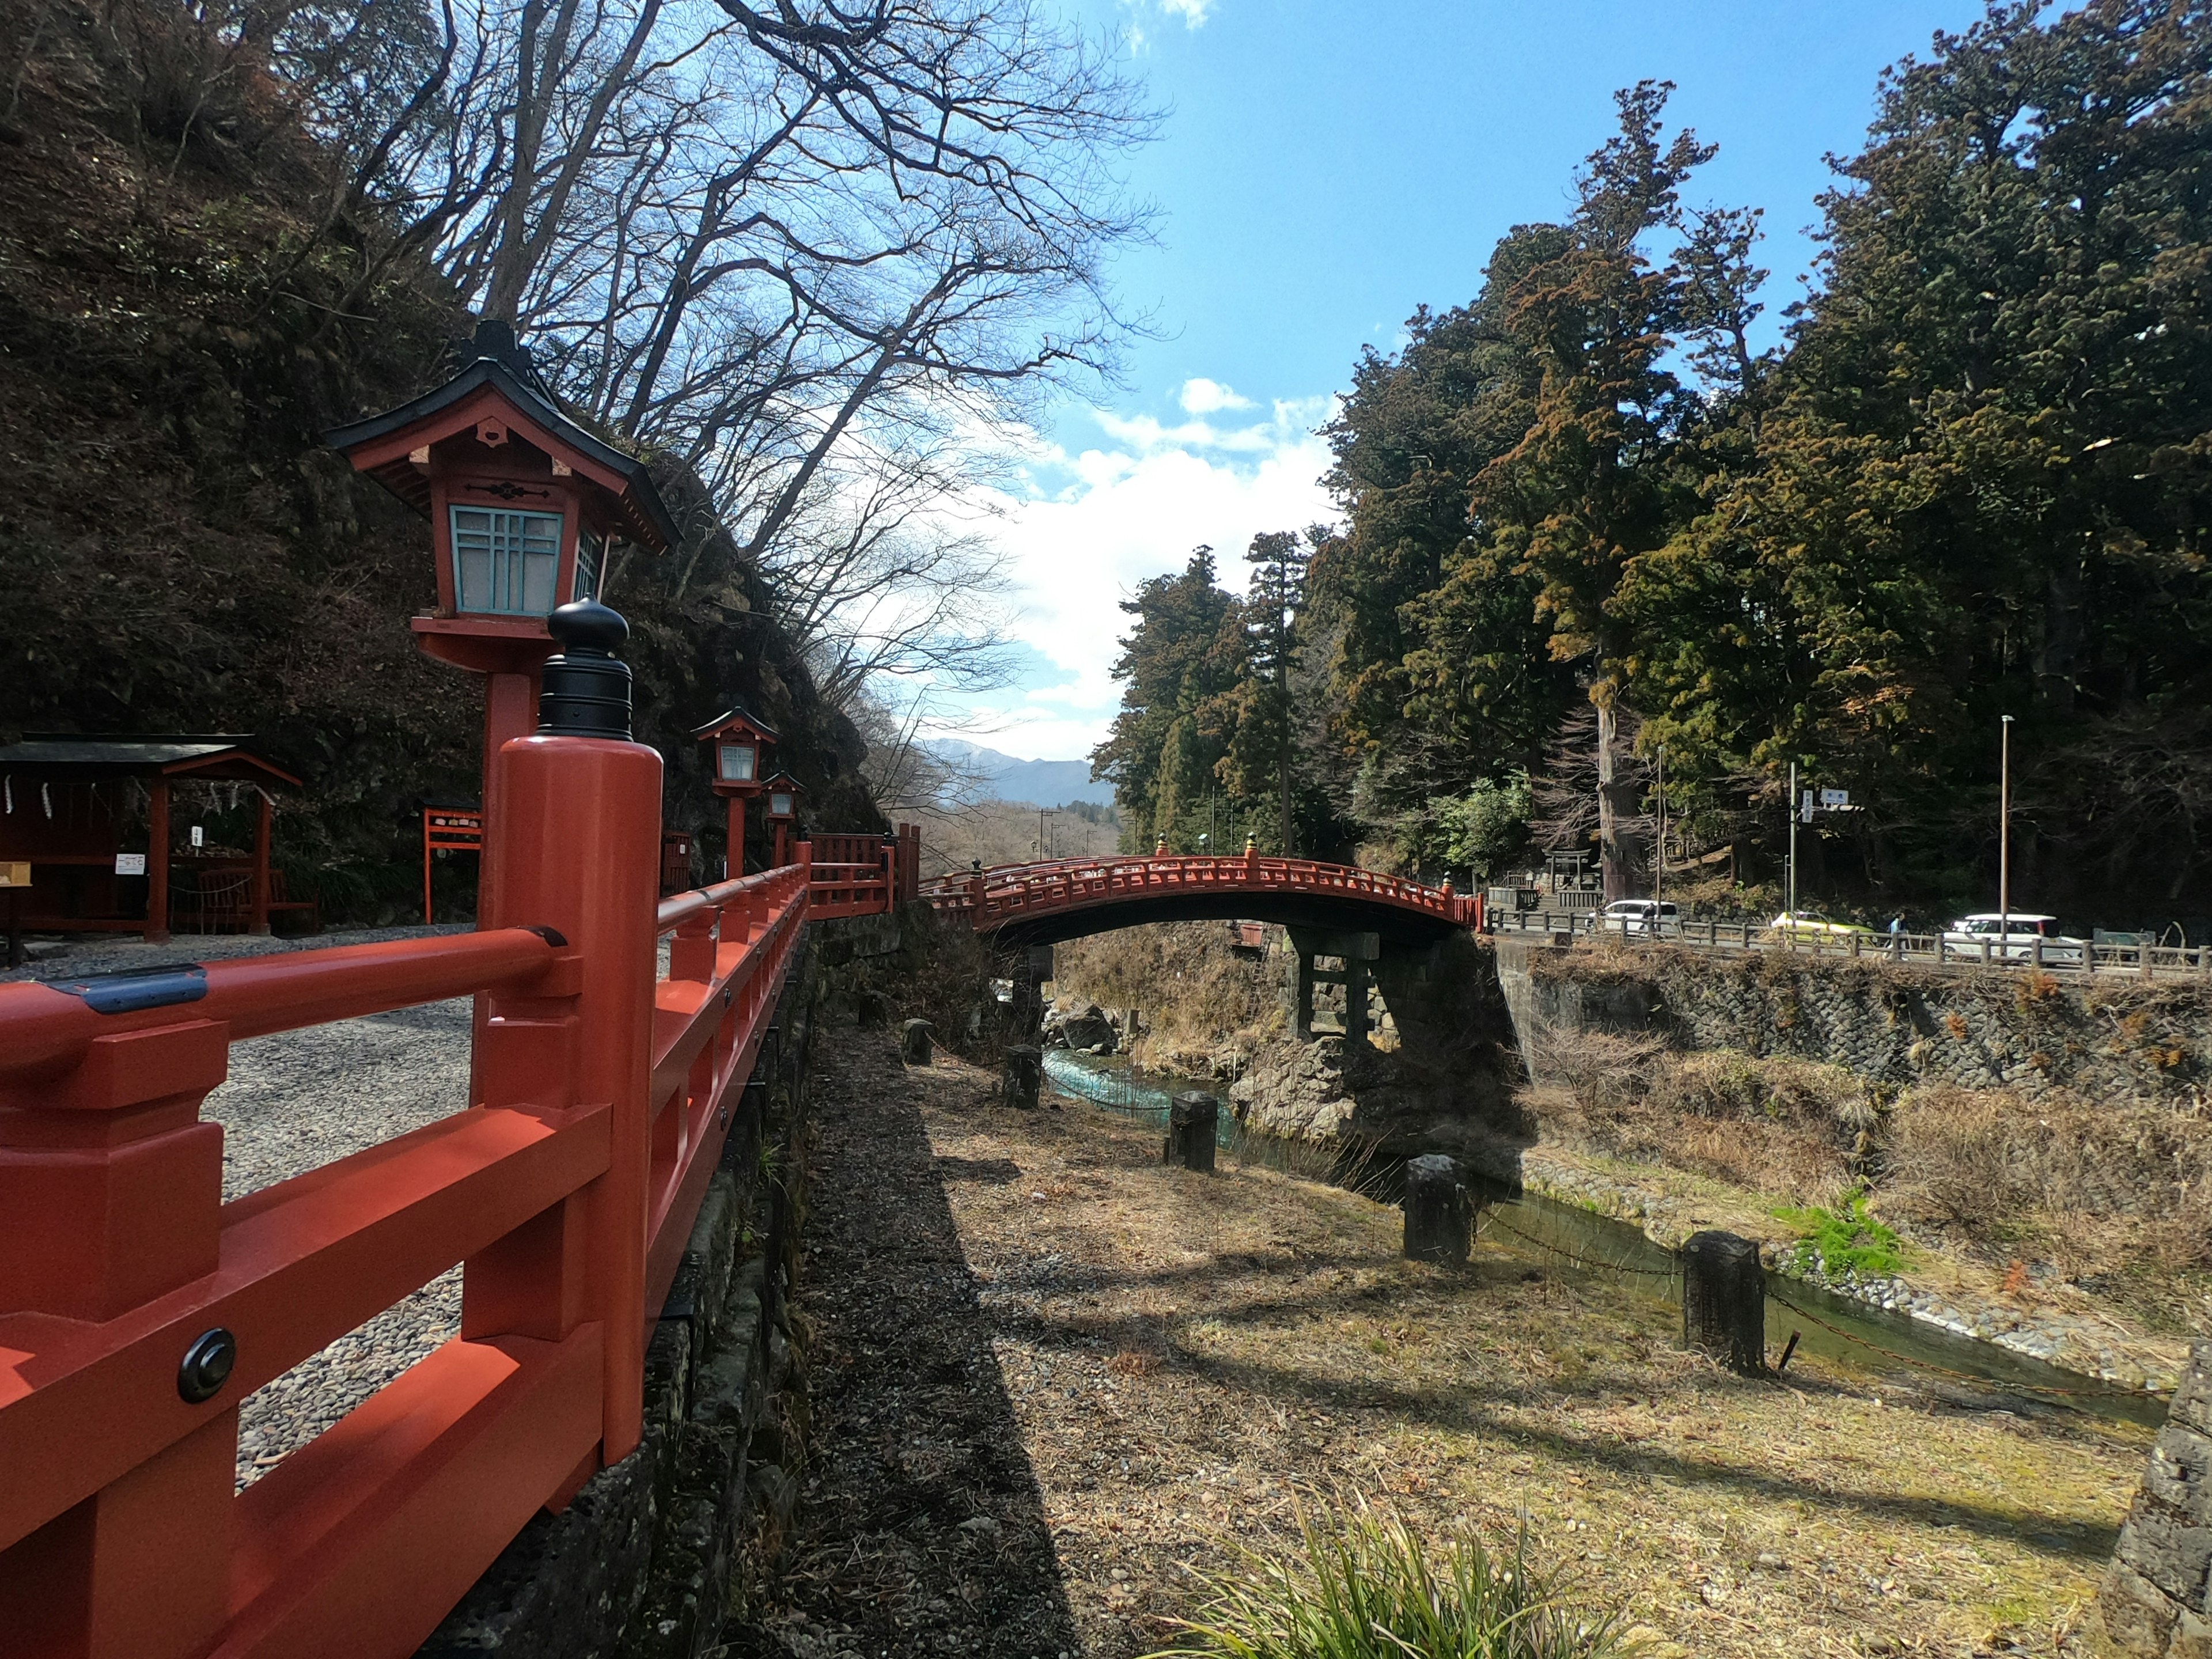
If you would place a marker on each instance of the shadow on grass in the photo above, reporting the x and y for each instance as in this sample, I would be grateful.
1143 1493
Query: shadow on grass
1493 1408
1469 1406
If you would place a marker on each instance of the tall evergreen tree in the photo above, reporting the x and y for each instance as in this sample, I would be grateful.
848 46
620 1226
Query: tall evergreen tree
1181 666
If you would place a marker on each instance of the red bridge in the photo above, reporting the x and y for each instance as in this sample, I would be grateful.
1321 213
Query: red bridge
1044 902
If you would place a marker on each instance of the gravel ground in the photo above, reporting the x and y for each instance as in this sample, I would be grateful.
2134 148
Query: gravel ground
1050 1376
300 1099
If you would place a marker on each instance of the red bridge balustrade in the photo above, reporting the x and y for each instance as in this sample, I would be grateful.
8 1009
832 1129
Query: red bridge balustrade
137 1310
1066 897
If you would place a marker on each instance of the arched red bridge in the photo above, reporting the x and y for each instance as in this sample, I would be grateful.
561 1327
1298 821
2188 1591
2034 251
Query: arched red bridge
1043 902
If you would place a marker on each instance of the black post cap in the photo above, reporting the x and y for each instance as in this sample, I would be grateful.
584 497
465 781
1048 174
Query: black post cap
586 690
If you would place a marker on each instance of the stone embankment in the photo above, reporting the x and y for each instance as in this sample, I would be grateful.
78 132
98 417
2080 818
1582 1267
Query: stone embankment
2036 1146
2157 1595
2113 1039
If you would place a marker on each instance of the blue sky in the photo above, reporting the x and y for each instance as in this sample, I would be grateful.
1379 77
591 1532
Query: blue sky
1325 168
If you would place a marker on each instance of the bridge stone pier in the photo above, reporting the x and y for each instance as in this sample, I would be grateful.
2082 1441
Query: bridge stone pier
1357 957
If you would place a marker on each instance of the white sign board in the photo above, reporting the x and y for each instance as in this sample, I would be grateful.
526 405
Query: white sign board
1835 797
199 835
130 864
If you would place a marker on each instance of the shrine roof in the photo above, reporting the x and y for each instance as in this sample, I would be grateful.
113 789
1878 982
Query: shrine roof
65 754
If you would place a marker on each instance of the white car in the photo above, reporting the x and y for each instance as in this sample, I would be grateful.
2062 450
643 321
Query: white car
2013 937
1637 916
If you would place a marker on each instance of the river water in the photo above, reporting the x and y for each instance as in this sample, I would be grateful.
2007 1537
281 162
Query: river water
1560 1236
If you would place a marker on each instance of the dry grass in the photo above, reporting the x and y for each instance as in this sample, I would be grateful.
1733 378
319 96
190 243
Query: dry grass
1795 1129
1843 1513
2113 1197
2104 1192
1205 1007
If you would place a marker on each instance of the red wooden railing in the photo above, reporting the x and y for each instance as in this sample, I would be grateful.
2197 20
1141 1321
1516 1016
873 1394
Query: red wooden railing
864 875
137 1310
1016 892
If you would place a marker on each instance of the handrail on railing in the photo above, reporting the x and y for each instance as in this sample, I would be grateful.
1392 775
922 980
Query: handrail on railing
138 1308
1004 890
47 1024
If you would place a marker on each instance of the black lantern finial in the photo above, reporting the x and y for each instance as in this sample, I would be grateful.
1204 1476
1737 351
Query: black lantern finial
586 690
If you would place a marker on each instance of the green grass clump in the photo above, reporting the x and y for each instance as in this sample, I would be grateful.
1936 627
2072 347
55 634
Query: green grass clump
1850 1237
1363 1586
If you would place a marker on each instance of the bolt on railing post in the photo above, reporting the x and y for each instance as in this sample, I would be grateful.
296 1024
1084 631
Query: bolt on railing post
579 853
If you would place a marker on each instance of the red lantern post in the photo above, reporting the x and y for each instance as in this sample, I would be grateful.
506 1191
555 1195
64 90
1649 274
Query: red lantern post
525 507
739 745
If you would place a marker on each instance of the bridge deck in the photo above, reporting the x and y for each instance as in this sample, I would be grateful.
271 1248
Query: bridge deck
1066 899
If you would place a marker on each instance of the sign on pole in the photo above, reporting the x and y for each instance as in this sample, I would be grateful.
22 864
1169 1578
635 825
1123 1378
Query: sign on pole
1835 797
447 830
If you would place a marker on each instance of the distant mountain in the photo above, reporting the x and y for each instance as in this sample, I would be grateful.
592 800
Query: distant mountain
1039 782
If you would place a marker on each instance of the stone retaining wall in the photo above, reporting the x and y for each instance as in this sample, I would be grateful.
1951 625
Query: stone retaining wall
2110 1039
2157 1595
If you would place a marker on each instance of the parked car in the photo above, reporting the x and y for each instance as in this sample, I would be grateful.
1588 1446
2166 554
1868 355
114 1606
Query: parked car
1809 924
1638 916
2013 937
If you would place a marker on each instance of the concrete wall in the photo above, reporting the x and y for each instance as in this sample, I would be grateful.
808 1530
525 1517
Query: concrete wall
640 1563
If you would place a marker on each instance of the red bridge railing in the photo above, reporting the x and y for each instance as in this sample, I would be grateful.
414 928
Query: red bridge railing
1013 892
137 1310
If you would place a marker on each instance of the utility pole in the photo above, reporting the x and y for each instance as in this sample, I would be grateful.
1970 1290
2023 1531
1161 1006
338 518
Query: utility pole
2004 827
1044 812
1659 864
1789 905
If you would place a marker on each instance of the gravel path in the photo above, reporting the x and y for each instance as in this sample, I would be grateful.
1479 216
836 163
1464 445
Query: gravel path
301 1099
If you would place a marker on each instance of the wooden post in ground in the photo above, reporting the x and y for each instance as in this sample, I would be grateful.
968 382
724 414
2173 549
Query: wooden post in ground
1437 1210
1194 1120
258 920
914 1038
1019 1081
1725 1301
156 931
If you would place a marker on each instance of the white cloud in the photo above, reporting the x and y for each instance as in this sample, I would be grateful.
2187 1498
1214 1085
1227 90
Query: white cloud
1193 13
1205 396
1101 520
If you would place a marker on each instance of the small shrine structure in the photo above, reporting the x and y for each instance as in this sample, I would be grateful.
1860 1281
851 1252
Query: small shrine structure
69 809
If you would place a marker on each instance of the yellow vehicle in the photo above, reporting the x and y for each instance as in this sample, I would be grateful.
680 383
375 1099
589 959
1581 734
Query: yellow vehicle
1807 927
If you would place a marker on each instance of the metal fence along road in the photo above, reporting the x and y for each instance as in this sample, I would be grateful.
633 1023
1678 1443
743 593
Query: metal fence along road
1949 953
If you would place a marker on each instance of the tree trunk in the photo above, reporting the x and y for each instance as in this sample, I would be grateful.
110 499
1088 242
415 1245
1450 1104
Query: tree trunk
1617 812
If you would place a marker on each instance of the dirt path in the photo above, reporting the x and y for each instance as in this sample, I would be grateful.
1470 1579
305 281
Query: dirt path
1050 1372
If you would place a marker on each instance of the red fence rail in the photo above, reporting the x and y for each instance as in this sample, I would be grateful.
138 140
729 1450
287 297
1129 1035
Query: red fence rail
1014 893
137 1310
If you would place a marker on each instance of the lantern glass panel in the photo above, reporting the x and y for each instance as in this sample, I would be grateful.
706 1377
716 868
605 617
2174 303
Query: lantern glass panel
737 762
505 562
779 806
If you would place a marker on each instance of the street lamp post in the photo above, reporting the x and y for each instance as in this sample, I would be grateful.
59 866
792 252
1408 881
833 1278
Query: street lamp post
1789 906
1044 812
2004 828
